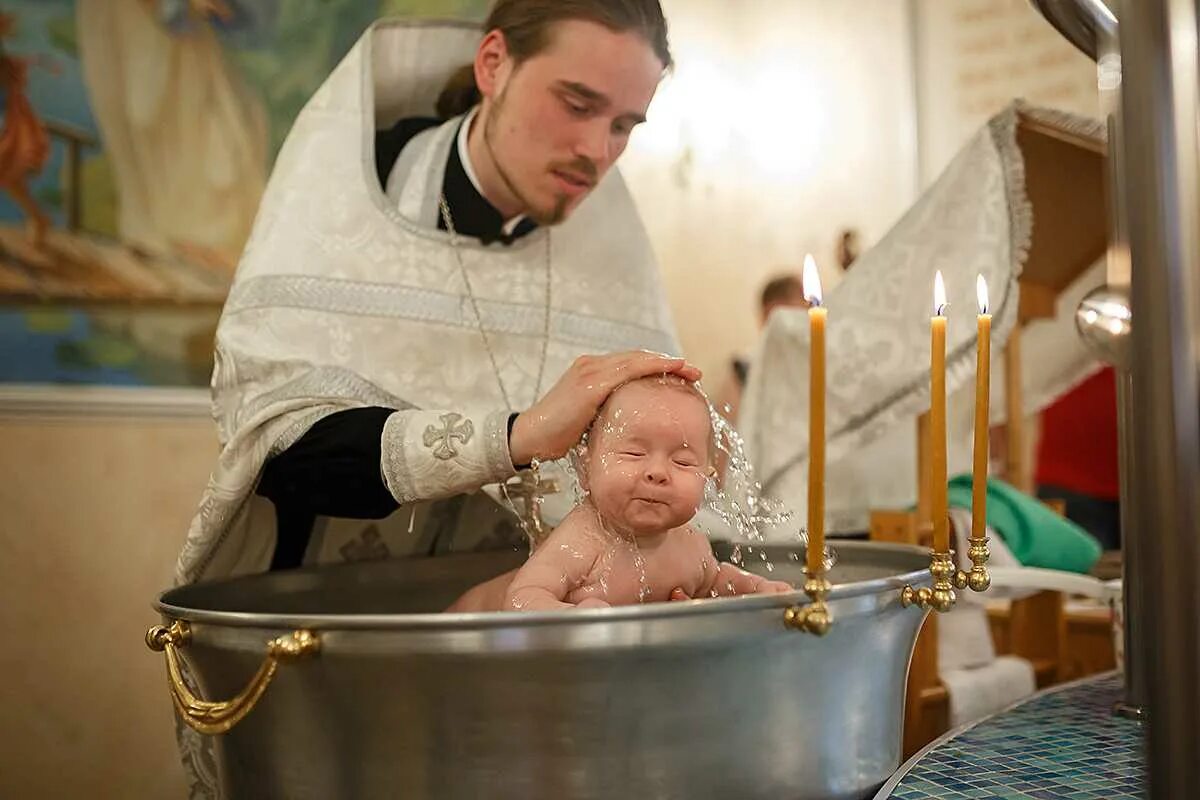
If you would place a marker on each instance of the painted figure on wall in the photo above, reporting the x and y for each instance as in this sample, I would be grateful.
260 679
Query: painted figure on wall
24 143
187 139
136 137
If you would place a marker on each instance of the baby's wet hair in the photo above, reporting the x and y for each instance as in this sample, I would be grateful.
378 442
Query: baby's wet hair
671 381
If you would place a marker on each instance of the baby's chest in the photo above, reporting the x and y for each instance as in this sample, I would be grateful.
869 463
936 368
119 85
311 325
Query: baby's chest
625 577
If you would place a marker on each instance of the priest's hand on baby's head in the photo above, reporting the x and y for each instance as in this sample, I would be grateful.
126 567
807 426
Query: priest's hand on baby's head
558 420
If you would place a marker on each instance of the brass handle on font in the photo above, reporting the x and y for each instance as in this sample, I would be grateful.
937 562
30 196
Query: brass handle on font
210 717
813 618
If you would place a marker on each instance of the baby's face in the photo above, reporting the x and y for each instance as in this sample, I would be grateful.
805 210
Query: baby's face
648 457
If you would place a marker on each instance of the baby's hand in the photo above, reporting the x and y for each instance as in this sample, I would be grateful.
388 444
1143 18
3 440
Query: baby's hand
732 581
592 602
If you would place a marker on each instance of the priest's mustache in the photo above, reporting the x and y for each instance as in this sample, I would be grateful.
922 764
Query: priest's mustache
582 167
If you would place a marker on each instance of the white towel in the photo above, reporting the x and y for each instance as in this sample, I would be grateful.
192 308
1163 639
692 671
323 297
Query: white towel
964 635
964 638
976 692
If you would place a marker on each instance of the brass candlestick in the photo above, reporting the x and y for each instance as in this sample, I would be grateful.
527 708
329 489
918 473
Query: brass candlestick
977 579
813 618
941 596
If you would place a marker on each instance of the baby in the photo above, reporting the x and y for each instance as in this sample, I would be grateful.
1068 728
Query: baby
644 465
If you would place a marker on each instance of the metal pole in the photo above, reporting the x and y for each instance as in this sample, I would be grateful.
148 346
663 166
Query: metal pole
1104 316
1104 322
1109 334
1161 159
1132 588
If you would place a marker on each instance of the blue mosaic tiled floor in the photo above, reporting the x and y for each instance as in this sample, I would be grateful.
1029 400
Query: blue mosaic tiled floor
1062 745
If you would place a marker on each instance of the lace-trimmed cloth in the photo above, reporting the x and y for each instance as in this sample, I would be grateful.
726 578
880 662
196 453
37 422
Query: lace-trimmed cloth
975 220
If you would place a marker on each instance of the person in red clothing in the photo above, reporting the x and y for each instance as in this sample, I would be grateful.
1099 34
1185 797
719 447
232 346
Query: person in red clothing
1077 457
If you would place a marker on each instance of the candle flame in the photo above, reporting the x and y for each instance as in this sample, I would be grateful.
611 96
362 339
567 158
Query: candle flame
939 295
812 281
982 293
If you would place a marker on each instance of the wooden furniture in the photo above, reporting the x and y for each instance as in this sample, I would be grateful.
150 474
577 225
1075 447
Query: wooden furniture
1035 632
1067 191
1061 644
1087 638
1066 186
926 701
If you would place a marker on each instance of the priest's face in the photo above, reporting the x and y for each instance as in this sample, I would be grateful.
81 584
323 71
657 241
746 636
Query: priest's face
555 122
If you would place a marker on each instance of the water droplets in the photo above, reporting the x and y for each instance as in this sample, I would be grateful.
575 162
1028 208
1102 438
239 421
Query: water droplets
739 502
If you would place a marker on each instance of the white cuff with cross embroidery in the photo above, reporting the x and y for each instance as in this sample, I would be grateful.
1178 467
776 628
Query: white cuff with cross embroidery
428 455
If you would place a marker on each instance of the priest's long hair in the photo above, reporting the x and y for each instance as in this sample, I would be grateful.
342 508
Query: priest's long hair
527 25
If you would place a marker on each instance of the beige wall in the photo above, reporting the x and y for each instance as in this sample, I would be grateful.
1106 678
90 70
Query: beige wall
787 122
977 56
974 57
93 513
783 124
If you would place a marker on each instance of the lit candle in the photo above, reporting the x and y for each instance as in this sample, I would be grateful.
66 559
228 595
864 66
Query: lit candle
983 358
816 419
937 416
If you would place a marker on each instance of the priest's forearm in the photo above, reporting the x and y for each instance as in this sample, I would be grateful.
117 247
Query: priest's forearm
428 455
364 463
333 469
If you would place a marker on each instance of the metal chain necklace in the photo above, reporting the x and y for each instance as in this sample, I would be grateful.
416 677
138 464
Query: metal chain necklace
487 344
529 486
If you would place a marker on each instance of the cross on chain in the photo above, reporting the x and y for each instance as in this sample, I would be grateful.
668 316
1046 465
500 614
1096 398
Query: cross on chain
529 488
367 547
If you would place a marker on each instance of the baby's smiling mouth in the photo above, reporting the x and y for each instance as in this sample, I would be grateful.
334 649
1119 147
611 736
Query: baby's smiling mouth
652 501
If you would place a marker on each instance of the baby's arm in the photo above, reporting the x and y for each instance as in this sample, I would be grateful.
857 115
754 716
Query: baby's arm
726 580
729 581
557 567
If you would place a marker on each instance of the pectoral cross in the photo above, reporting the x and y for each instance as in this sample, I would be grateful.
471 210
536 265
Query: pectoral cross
367 547
529 488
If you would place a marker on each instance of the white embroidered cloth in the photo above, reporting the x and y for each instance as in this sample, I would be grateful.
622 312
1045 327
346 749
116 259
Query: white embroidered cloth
975 220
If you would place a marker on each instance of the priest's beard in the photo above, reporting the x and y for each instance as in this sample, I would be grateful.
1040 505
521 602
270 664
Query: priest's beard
555 213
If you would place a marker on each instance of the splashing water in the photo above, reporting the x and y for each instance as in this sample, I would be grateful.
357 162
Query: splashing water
740 503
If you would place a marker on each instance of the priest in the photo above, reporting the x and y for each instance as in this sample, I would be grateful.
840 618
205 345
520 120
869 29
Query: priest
429 304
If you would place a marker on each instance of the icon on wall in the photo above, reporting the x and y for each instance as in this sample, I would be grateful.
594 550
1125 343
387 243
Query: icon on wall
136 141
